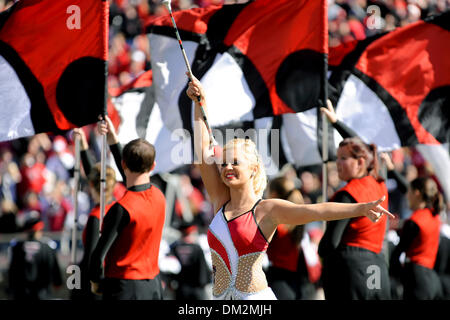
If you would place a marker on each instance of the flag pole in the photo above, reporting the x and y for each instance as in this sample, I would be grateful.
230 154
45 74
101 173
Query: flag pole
102 180
103 151
324 157
75 198
324 118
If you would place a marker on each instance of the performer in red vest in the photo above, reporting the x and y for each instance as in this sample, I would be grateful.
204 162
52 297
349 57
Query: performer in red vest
131 233
420 241
353 265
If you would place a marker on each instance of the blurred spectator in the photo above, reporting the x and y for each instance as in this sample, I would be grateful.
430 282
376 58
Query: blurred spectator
195 274
56 206
311 186
194 199
32 209
34 175
9 176
34 267
8 215
61 160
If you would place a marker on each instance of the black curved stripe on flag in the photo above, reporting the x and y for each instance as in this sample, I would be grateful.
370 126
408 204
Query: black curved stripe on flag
220 23
203 60
340 73
80 98
143 116
403 126
209 46
442 20
170 32
41 116
277 123
263 106
296 93
434 113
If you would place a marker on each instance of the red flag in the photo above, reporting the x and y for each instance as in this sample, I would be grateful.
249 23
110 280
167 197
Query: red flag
393 89
52 65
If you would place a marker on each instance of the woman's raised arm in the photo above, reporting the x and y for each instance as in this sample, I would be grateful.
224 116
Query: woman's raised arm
217 190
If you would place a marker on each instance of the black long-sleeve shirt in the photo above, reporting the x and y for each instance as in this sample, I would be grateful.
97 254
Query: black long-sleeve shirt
335 229
409 231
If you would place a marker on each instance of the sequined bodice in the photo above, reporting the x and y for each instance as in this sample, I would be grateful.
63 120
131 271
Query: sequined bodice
237 251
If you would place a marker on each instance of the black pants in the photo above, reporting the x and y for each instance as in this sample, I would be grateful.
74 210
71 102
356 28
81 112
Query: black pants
288 285
420 283
124 289
186 292
352 273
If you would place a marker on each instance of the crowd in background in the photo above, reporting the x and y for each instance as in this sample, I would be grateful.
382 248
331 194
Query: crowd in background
36 173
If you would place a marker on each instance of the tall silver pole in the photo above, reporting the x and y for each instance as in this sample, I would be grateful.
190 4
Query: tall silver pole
75 198
324 157
103 180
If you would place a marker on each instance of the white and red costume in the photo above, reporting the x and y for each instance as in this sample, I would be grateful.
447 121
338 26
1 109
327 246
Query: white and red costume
237 251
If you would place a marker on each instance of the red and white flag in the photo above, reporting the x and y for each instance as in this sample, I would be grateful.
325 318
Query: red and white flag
52 65
394 89
258 61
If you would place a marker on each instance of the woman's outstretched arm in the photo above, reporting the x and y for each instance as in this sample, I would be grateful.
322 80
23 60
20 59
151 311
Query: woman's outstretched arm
286 212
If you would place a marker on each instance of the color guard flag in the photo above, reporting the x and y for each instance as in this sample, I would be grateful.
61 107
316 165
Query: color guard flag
394 89
257 59
52 65
140 117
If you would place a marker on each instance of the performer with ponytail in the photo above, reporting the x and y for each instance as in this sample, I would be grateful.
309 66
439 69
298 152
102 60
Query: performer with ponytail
351 248
244 224
419 239
92 170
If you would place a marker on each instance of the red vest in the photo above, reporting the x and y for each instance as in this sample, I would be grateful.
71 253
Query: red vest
282 251
134 254
424 248
95 212
362 232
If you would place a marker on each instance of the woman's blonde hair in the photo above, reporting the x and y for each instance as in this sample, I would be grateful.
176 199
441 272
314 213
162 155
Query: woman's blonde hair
94 179
251 153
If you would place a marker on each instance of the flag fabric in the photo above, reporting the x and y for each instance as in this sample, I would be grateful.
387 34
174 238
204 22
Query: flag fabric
52 65
257 61
393 89
140 117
